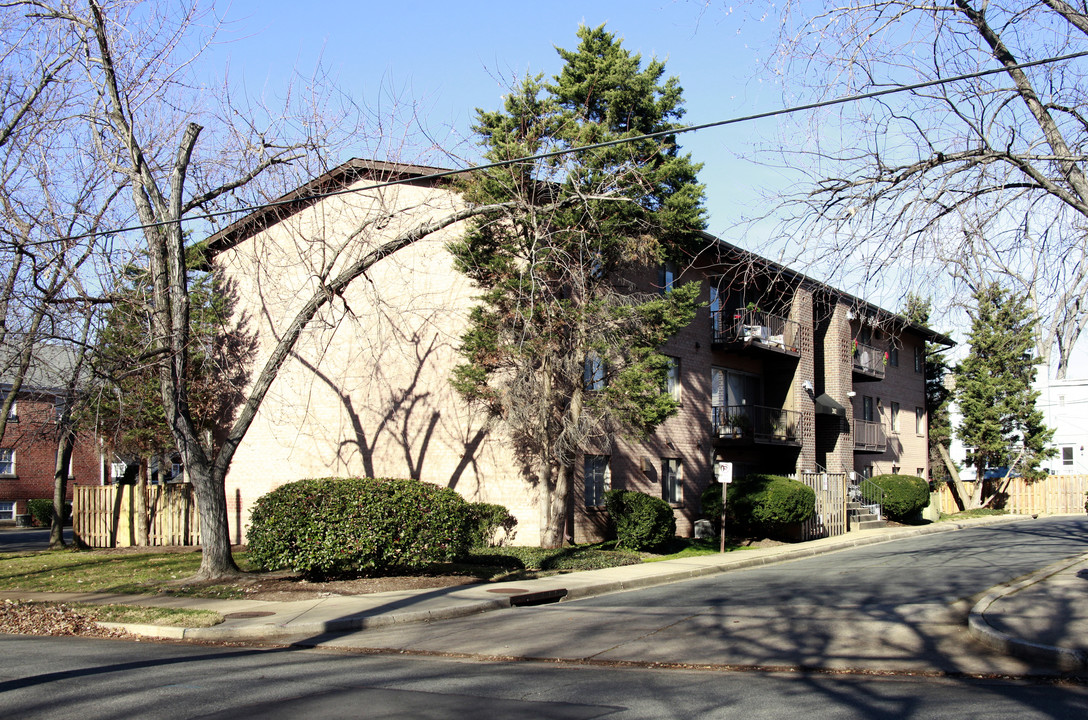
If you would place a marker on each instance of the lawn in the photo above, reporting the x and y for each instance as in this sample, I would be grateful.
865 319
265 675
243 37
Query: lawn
154 572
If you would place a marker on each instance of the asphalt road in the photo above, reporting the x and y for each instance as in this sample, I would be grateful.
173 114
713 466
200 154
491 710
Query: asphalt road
50 678
899 606
25 540
869 632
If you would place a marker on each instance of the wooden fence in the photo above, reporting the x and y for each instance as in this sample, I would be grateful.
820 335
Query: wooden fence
1053 495
829 519
105 515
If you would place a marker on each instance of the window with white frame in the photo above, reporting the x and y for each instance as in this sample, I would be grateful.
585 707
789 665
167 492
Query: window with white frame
672 484
895 417
597 479
672 378
920 421
1067 455
7 461
13 413
7 510
593 374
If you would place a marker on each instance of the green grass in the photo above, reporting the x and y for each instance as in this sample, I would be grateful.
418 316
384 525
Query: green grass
689 547
88 571
977 512
169 617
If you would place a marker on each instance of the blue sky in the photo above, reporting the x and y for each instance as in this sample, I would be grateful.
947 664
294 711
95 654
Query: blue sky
451 58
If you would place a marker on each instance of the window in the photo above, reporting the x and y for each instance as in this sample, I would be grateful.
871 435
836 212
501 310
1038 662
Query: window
671 483
895 469
13 413
920 472
865 336
1067 455
60 406
593 375
598 479
893 356
7 510
920 421
672 378
733 395
7 461
895 417
666 276
867 408
919 360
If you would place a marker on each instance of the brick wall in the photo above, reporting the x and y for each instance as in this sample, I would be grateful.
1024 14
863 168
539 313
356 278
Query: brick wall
34 440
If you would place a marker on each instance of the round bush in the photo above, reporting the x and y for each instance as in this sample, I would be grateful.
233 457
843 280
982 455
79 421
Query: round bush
484 522
711 503
334 526
904 495
769 502
643 522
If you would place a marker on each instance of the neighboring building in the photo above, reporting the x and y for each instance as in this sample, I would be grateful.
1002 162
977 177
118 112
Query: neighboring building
1065 408
28 448
778 373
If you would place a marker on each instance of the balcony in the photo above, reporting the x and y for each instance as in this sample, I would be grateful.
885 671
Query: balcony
869 362
756 329
757 424
869 436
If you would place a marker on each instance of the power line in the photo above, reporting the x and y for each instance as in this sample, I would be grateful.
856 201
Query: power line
595 146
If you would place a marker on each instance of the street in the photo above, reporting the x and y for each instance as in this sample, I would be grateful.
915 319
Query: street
868 632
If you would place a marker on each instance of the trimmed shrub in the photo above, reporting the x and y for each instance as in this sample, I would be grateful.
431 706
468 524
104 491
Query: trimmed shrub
484 522
769 502
904 495
643 522
336 526
42 511
711 503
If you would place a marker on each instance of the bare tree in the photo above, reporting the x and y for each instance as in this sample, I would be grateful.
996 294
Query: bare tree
978 179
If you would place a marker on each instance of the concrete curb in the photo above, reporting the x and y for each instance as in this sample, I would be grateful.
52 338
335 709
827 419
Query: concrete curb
1062 658
568 583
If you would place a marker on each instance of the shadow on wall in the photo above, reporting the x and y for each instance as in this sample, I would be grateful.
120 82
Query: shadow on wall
396 415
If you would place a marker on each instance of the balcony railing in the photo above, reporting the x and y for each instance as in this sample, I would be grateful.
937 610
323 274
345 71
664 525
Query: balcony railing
756 423
757 329
869 436
869 360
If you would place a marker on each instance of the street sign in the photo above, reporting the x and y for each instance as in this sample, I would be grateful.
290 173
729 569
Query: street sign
725 472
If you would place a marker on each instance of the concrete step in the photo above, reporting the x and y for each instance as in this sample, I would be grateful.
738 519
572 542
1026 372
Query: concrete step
867 524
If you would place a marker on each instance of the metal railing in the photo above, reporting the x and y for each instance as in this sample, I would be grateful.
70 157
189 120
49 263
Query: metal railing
756 327
756 422
869 360
868 494
869 436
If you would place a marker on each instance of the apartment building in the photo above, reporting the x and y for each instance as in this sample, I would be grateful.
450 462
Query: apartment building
28 447
778 372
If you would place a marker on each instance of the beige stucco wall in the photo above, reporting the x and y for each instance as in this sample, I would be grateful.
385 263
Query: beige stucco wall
367 392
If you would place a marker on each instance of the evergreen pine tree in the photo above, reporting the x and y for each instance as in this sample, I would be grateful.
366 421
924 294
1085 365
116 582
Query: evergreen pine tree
994 386
562 348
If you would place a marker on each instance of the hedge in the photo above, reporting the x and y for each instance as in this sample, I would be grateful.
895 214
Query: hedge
642 522
904 495
484 522
333 526
42 511
769 502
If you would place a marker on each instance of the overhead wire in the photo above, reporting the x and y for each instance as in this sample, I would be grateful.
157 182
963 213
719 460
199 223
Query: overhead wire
584 148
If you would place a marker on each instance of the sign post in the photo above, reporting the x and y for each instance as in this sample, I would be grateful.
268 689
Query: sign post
725 476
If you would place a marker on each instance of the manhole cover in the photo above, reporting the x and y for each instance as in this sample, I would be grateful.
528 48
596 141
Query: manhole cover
242 615
507 591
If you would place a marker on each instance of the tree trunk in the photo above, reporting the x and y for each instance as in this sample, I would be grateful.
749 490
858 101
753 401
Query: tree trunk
966 500
141 504
216 560
60 485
